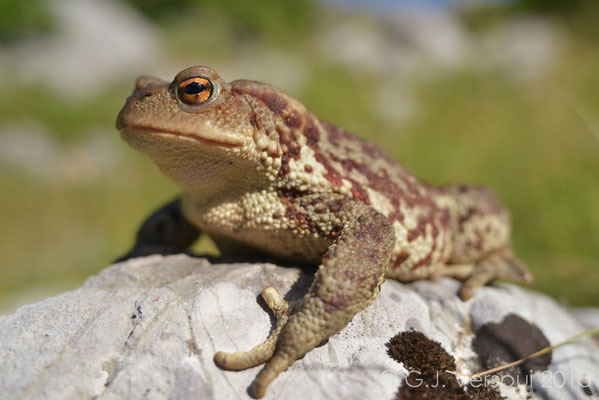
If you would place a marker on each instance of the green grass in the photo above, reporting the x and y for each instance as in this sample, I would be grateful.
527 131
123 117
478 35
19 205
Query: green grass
70 231
67 118
536 145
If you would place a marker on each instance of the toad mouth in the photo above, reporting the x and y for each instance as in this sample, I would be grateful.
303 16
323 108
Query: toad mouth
178 135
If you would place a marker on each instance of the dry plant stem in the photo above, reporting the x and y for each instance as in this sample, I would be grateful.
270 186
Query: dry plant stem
589 333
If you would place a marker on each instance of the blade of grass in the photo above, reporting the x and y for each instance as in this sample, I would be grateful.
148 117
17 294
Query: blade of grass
589 333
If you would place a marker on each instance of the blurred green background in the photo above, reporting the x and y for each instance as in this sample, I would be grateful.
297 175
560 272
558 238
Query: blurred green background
501 93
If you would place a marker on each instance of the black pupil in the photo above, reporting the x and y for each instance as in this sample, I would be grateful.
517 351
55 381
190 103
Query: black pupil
194 88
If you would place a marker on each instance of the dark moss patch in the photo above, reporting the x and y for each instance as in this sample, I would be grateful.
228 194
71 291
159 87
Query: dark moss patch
417 352
486 392
510 340
589 389
428 362
586 390
443 387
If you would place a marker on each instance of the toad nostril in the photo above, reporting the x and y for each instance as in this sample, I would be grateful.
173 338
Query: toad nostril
147 94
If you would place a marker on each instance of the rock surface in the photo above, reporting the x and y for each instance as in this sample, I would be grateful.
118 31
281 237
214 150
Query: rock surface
95 44
148 328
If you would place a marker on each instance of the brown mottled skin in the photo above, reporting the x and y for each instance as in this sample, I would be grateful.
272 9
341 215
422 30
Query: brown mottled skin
261 172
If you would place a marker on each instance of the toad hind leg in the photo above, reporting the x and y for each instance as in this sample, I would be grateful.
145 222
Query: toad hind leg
499 265
347 281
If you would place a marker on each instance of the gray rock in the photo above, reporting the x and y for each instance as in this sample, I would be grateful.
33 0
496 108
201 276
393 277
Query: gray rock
150 327
96 43
588 316
523 48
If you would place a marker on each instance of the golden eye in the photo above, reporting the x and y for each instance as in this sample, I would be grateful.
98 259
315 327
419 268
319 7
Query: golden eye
195 90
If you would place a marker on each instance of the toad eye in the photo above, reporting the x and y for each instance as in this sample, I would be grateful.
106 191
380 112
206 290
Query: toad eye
195 90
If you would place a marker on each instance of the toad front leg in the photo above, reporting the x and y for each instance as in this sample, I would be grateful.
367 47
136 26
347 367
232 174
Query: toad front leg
165 231
347 282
